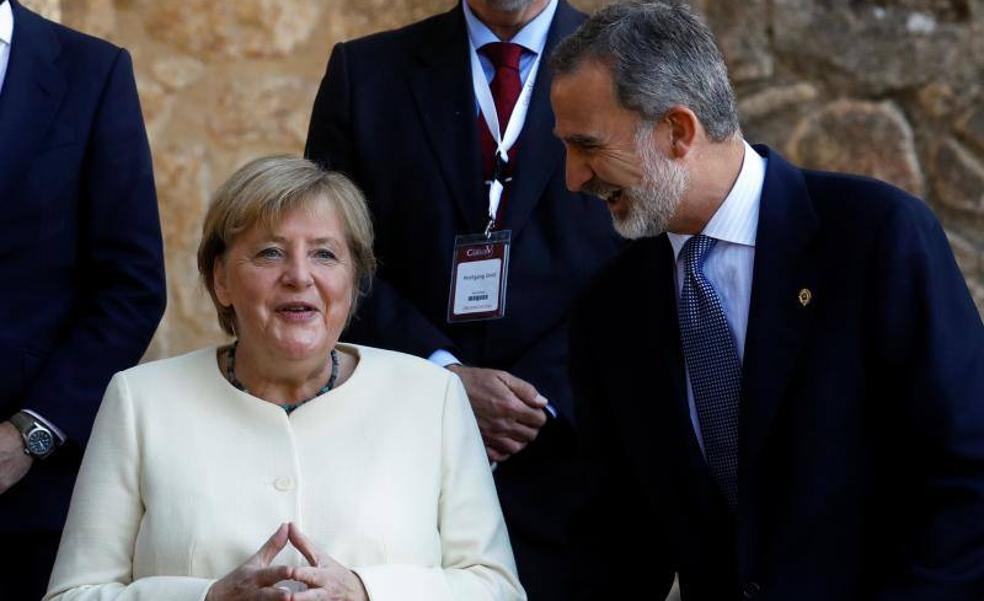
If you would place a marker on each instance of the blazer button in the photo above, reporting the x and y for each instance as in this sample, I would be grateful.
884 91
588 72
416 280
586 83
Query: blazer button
283 484
751 590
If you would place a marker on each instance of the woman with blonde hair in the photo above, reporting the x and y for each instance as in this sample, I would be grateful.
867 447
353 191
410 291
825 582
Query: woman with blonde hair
365 465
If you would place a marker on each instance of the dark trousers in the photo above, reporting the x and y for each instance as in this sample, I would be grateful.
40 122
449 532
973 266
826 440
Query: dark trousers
25 571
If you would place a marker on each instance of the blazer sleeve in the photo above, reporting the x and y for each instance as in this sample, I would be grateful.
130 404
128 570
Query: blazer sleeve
930 343
544 364
477 560
385 317
121 268
95 558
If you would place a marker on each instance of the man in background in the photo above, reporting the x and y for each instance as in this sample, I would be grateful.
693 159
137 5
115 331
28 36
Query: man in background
780 383
82 267
408 114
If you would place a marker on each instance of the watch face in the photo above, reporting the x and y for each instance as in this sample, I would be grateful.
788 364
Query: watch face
39 442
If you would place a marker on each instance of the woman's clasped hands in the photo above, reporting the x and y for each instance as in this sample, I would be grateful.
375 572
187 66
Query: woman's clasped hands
257 580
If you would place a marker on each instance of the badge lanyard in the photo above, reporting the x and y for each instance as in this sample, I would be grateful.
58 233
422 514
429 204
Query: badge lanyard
503 142
480 264
470 301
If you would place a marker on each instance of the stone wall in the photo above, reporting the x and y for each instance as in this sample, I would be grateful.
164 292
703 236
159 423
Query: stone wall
890 88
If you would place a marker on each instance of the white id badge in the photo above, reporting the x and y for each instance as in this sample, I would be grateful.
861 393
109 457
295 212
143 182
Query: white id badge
479 271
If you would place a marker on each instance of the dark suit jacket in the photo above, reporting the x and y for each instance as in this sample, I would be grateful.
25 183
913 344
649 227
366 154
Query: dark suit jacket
80 244
861 464
397 113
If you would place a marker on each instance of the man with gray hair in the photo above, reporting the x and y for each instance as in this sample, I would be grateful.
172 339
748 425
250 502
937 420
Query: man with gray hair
780 383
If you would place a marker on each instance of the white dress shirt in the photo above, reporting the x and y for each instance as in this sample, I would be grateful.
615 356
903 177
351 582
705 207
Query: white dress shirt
6 35
533 38
729 264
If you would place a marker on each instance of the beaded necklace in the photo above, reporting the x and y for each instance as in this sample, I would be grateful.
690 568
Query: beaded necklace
288 407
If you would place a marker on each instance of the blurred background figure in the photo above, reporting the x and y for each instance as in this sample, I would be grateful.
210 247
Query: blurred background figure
372 457
82 266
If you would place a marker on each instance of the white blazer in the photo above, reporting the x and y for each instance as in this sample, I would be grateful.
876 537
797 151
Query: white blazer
186 476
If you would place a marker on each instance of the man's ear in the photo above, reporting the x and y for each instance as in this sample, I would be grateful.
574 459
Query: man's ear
684 128
219 282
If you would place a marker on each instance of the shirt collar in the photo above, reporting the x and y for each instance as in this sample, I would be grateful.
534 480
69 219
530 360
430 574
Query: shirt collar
6 23
736 220
532 37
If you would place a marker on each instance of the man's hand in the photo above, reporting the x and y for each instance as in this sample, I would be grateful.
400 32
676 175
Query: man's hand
509 410
14 462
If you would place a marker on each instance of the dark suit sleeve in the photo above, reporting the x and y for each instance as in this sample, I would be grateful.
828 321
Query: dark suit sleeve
931 347
549 349
614 522
121 293
385 318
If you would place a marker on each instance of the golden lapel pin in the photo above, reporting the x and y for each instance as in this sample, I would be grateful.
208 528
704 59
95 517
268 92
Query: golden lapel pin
805 296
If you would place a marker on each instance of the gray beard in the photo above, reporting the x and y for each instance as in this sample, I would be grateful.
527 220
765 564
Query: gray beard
652 203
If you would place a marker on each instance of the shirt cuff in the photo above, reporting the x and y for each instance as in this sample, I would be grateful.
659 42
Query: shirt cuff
61 435
443 358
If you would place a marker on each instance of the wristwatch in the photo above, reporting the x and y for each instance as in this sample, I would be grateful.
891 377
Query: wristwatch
39 440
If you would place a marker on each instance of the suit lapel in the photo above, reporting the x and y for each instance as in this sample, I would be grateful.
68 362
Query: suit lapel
538 151
445 102
31 94
778 321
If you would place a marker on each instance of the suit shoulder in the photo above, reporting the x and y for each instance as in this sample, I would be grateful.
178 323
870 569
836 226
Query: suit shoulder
82 48
865 200
863 212
398 41
76 41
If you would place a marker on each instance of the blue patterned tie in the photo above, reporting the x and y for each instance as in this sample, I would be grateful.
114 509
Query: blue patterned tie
713 365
